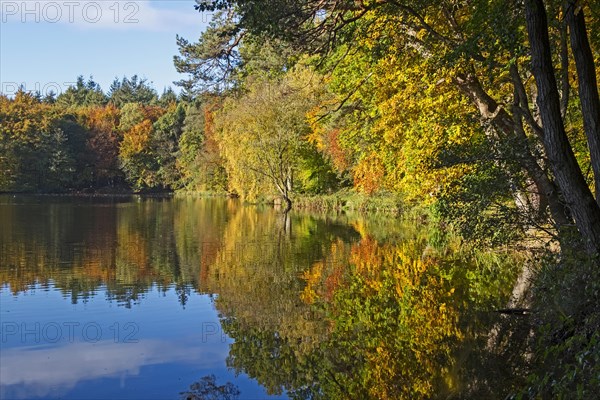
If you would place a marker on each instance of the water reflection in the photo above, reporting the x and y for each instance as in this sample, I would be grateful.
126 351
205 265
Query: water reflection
39 371
373 316
331 307
207 389
81 245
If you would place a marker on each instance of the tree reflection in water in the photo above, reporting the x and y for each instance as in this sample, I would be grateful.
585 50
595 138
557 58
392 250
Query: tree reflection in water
207 389
368 316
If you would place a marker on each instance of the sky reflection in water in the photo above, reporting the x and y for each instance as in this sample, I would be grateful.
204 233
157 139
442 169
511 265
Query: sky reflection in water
96 349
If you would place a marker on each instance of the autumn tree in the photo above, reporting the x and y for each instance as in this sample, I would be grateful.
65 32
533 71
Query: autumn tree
103 143
167 131
135 158
150 144
263 133
35 152
199 161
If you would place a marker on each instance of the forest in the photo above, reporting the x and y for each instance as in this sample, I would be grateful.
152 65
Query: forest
484 115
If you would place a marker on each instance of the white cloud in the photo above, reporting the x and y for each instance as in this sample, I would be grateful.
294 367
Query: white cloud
38 370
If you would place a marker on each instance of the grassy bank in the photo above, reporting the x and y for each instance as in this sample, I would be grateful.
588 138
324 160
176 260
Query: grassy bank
350 201
345 200
200 193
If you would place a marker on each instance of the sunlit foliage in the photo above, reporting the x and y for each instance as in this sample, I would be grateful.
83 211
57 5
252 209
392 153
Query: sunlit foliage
263 136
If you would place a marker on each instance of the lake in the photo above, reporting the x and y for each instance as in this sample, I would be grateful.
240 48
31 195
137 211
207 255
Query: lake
156 298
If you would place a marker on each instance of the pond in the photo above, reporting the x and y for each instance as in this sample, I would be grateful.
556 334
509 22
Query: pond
136 297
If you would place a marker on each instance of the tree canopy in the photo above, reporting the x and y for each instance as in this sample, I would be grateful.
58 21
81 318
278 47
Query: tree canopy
488 53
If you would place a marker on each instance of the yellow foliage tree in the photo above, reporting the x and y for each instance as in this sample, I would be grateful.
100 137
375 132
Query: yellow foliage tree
262 134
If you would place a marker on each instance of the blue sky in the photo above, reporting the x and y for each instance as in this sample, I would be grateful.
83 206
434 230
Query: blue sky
46 44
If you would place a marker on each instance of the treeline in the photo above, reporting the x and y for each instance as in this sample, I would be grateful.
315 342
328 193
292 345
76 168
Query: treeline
440 106
88 140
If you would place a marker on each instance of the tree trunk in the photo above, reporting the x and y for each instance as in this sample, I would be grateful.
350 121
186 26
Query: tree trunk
287 189
287 223
588 86
496 115
549 193
568 175
288 203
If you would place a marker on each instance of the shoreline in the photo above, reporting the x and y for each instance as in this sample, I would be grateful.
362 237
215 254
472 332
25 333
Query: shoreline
338 202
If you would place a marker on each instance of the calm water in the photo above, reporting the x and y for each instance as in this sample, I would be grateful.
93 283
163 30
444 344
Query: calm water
191 298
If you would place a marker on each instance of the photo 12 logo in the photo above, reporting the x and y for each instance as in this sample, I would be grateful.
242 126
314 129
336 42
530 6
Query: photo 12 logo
54 332
43 89
212 332
91 12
